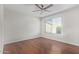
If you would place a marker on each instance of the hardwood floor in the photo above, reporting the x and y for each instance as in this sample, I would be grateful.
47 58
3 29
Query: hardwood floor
40 46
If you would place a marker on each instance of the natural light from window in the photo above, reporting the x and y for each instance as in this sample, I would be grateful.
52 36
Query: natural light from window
54 25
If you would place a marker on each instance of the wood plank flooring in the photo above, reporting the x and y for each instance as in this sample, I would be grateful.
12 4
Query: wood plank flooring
40 46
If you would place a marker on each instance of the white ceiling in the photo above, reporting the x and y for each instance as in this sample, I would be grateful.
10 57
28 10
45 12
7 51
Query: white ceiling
28 8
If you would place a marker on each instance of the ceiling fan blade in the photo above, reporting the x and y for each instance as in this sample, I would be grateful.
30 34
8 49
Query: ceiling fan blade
48 6
38 6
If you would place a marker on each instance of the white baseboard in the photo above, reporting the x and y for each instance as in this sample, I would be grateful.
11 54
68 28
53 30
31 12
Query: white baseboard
25 38
59 39
45 36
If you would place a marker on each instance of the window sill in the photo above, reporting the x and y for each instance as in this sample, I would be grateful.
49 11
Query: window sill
55 34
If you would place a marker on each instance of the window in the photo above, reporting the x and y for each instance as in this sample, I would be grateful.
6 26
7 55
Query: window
54 25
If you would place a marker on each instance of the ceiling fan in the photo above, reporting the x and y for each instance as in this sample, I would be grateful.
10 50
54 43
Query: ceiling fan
43 7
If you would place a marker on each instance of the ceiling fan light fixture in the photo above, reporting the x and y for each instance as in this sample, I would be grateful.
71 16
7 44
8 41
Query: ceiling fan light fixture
42 7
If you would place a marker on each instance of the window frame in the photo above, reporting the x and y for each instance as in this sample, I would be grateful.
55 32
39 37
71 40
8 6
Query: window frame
51 25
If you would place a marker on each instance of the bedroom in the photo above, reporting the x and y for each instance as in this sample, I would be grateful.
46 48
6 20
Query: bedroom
53 30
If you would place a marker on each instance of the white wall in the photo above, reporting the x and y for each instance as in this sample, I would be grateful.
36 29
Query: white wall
1 29
71 26
20 27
